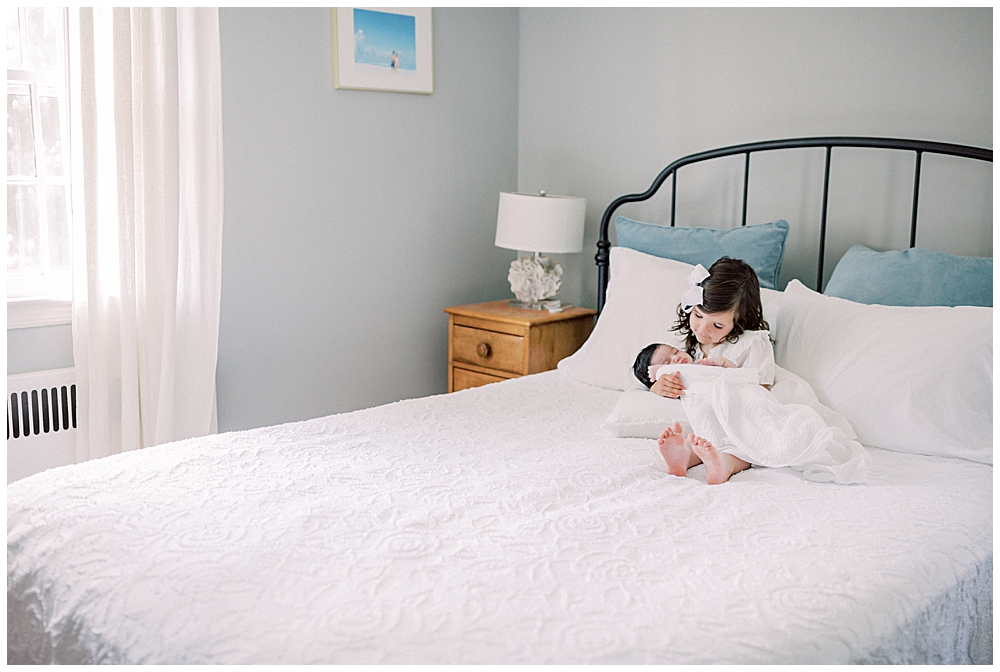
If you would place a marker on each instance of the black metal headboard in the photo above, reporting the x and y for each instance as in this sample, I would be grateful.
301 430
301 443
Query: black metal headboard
918 146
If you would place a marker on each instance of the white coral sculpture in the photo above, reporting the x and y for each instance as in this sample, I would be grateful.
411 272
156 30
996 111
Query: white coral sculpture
533 279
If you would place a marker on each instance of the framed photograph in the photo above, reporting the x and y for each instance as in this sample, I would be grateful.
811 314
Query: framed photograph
383 49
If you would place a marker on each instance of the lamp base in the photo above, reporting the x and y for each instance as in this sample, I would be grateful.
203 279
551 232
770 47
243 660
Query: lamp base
535 276
551 305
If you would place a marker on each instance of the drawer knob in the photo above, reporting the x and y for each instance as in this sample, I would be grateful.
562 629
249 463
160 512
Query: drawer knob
483 349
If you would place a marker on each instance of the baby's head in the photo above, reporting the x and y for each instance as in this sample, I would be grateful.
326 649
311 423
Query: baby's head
656 354
731 285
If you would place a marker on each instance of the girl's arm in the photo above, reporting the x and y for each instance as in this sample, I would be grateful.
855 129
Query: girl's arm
757 353
725 363
717 361
762 357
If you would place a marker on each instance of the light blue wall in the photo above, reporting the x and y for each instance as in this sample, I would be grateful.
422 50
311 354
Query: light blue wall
609 97
39 349
353 218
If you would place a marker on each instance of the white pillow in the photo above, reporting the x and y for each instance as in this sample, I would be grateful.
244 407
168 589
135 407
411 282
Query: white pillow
641 308
909 379
641 414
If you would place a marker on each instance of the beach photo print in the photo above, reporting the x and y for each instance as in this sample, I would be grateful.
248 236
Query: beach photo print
383 49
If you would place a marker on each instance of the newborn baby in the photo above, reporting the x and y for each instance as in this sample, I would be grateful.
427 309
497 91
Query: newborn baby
657 354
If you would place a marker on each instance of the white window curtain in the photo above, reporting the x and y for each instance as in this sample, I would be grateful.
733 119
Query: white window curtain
146 114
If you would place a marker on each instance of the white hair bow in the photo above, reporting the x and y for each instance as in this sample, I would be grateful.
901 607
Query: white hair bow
694 295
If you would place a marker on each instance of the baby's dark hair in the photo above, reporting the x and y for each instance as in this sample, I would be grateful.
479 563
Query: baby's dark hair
731 285
641 366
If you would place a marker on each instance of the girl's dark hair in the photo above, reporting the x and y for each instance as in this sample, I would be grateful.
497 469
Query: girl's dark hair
731 285
641 366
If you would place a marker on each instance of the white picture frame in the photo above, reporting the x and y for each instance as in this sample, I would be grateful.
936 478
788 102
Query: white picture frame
383 49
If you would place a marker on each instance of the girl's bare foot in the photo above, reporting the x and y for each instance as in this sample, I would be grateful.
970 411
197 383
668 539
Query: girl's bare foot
676 451
718 466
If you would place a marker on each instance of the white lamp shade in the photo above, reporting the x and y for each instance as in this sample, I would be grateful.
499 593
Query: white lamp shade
534 223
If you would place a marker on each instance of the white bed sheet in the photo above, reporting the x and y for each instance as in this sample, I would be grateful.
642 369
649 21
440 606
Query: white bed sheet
494 525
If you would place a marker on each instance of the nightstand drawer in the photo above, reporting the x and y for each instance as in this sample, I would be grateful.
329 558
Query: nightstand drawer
488 348
464 379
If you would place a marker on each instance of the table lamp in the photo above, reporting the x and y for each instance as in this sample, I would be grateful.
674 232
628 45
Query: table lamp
538 224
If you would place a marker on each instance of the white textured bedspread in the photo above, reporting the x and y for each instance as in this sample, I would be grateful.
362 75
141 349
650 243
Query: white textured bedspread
494 525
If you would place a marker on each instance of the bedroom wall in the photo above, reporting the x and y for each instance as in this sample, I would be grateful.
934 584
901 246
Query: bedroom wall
39 349
609 97
353 218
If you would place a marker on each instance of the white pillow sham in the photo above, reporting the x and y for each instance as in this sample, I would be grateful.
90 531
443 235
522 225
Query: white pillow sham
640 414
909 379
641 308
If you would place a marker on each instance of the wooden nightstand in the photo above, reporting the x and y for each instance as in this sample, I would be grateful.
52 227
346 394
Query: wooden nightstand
493 341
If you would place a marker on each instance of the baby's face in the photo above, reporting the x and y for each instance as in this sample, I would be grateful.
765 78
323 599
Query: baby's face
667 354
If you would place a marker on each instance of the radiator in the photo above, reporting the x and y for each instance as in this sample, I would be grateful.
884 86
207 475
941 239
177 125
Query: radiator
41 422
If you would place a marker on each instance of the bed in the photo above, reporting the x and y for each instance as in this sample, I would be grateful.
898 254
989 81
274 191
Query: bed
533 521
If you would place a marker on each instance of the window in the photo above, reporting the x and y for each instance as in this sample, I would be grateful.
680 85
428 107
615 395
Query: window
38 173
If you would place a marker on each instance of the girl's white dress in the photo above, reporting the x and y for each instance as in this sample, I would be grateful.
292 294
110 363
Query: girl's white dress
768 428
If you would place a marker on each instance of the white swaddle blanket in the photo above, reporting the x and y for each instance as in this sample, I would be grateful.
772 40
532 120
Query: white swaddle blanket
784 427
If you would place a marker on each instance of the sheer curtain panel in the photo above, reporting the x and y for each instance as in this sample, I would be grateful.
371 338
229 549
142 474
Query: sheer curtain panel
146 117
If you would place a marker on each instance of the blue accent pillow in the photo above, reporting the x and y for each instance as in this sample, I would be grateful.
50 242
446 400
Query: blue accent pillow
761 245
913 277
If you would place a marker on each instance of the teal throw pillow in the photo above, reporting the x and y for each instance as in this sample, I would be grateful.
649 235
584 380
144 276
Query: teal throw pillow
913 277
760 245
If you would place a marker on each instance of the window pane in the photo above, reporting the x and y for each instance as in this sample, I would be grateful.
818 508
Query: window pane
22 228
51 135
13 237
13 39
43 29
20 145
57 221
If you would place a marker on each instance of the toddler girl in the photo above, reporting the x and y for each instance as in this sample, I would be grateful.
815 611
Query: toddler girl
722 321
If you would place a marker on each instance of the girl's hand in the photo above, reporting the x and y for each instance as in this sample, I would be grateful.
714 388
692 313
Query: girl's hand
718 361
669 386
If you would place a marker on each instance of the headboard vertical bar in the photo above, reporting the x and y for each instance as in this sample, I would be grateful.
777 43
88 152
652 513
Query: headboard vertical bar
603 259
746 187
916 200
822 220
673 198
